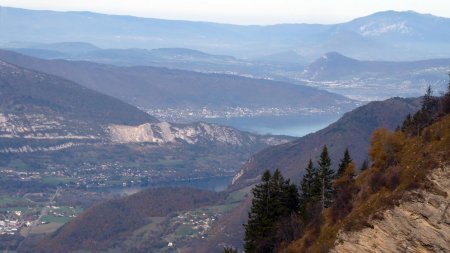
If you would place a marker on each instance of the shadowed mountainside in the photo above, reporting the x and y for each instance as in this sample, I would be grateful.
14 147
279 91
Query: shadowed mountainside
150 87
28 90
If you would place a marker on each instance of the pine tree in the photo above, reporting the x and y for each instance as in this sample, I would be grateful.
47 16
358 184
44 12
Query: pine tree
308 187
365 165
258 225
290 198
345 161
429 109
446 99
345 188
276 185
428 100
229 250
273 199
325 178
407 122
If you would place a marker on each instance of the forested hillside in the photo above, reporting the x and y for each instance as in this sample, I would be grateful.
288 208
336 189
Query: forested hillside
107 225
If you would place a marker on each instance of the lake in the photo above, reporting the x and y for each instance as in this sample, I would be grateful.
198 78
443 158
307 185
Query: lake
212 184
294 125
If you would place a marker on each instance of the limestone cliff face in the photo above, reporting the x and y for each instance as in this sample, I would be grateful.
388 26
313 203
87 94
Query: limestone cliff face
164 132
33 132
421 223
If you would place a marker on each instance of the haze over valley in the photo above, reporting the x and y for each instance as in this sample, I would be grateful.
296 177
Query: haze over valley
132 134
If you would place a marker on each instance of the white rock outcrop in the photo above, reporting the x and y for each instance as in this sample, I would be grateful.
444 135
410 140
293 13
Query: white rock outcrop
165 132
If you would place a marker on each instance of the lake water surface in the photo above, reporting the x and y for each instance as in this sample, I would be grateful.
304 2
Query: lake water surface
212 184
294 125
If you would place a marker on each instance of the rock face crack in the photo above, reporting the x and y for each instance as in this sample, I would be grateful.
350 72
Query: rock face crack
421 223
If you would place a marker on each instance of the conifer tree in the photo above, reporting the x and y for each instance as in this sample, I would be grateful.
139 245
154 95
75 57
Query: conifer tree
428 101
290 198
365 165
229 250
258 225
344 187
325 179
429 110
446 99
407 122
308 187
273 199
345 161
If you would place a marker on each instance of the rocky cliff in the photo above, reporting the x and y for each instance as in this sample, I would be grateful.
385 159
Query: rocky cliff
164 132
421 223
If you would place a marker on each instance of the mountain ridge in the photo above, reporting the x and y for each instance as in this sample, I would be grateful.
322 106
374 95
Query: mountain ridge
260 39
333 66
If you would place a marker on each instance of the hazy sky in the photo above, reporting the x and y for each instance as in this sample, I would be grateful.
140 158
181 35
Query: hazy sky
241 11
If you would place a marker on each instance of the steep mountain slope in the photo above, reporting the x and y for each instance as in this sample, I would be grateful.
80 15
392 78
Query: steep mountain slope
149 87
418 223
384 35
398 205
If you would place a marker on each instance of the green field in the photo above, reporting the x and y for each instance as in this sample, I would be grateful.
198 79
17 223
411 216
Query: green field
184 230
46 228
9 201
67 209
55 219
236 196
55 181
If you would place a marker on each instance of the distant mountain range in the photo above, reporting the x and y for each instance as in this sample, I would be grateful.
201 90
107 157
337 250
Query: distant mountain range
386 35
178 58
151 87
334 72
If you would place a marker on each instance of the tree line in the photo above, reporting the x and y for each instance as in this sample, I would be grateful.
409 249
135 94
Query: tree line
433 108
280 209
